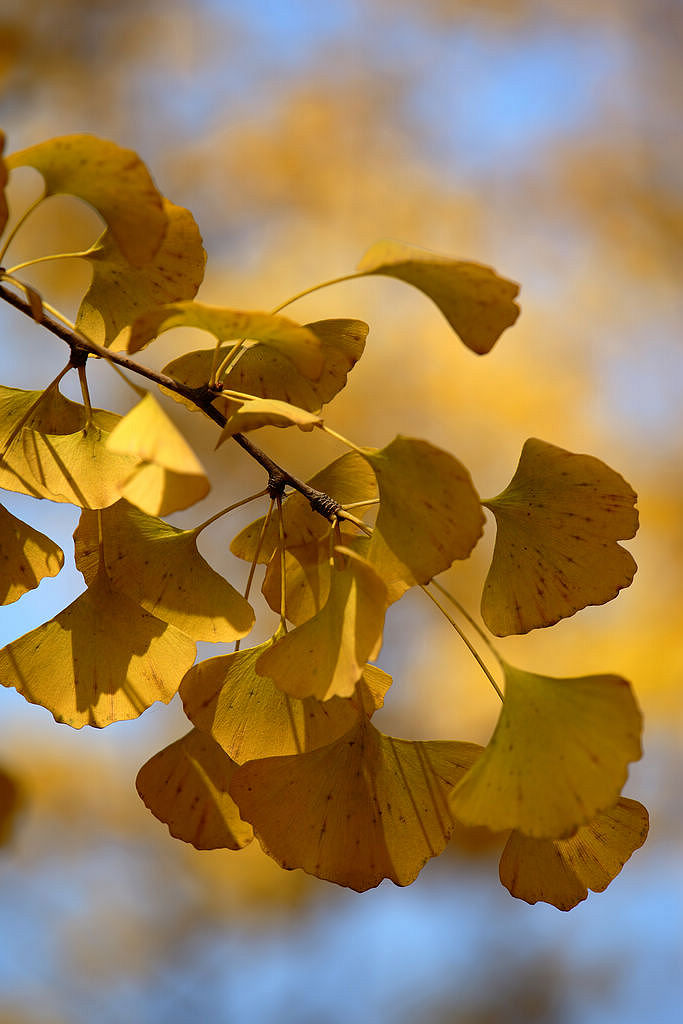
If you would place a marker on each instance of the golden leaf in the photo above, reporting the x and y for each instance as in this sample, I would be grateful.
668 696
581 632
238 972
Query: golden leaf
111 179
361 809
185 785
558 756
477 303
250 414
26 557
562 871
558 521
307 580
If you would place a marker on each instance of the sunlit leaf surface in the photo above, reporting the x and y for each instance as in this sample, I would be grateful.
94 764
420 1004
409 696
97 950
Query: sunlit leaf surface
558 756
562 871
478 304
558 522
26 557
185 785
364 808
243 416
119 293
159 567
101 660
111 179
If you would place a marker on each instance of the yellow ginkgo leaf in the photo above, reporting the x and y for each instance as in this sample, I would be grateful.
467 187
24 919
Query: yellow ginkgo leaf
159 567
78 468
562 871
186 785
361 809
252 413
119 293
170 477
101 660
429 513
299 344
307 580
325 656
4 212
558 522
252 718
558 756
26 557
478 304
111 179
348 479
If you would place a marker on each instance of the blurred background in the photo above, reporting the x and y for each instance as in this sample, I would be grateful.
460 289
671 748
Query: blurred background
542 138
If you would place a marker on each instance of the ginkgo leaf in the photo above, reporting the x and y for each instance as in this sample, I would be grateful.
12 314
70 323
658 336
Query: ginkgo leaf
307 580
348 479
101 660
242 416
26 557
429 513
559 755
4 211
186 785
111 179
558 522
562 871
252 718
78 468
299 344
478 304
170 477
159 567
361 809
325 656
119 293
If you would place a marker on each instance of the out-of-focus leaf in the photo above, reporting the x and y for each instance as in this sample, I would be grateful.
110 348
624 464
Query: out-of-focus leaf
4 212
478 304
361 809
11 799
111 179
186 785
26 557
559 755
558 522
250 414
119 292
562 871
101 660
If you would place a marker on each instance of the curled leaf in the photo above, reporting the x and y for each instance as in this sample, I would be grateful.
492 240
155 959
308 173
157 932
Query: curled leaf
478 304
558 522
252 413
26 557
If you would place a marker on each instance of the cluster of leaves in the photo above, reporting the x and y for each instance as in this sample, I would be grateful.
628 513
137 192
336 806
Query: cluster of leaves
282 744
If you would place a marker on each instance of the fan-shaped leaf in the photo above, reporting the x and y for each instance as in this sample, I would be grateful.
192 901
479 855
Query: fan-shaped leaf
562 871
242 416
559 755
119 292
111 179
185 785
358 810
26 557
325 656
101 660
558 523
477 303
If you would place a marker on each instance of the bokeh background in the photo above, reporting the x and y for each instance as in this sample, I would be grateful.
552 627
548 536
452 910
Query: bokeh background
543 138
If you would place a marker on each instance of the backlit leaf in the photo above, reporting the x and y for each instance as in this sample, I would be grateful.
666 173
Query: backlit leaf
307 580
562 871
101 660
185 785
559 755
170 477
429 513
361 809
26 557
558 522
325 656
478 304
242 416
111 179
4 212
252 718
119 292
299 344
159 567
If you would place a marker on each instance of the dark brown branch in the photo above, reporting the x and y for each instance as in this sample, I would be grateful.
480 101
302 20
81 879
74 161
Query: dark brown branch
201 397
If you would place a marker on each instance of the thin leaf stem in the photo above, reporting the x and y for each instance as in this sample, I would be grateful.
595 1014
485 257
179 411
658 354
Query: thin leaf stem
315 288
46 259
231 508
340 437
473 623
232 354
86 396
254 561
32 408
283 564
19 224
